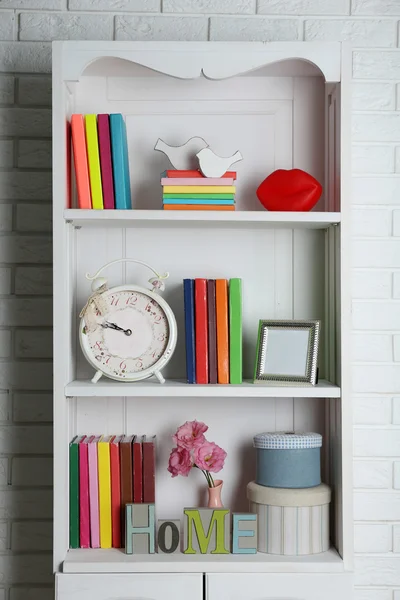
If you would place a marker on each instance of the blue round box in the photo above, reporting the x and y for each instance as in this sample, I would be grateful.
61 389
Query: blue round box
288 459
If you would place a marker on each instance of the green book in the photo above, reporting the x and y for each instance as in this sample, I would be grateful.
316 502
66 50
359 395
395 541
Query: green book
74 492
235 331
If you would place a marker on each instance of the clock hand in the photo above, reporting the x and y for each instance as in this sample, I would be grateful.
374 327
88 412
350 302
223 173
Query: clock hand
116 328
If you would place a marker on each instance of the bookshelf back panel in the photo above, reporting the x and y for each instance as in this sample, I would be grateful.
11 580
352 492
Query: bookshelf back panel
232 425
275 122
282 271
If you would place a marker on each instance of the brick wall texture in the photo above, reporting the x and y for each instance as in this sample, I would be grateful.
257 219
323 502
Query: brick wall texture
27 28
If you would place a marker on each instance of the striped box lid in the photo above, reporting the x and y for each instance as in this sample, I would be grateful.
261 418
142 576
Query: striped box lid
287 440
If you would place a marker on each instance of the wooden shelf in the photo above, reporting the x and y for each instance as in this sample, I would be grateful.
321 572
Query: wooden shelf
175 388
116 561
161 218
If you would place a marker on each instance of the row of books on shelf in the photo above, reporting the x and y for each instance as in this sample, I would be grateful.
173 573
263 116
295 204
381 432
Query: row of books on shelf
106 473
100 150
213 330
190 190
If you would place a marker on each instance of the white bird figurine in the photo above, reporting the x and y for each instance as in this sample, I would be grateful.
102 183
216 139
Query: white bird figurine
212 165
182 157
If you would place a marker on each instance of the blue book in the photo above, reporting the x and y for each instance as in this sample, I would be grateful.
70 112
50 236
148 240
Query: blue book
119 151
197 201
188 295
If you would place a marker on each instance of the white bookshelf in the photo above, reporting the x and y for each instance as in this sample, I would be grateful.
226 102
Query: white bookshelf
283 105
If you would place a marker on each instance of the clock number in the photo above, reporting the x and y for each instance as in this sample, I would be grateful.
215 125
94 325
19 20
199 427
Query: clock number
122 365
99 357
161 337
155 354
108 357
157 319
114 301
148 307
139 364
132 299
98 346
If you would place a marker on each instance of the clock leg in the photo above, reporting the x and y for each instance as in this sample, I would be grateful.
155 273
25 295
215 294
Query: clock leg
159 376
97 376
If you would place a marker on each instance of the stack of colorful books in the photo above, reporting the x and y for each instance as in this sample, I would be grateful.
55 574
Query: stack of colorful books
100 149
106 473
213 327
190 190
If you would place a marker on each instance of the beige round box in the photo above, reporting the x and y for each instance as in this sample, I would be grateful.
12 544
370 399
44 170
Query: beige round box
291 522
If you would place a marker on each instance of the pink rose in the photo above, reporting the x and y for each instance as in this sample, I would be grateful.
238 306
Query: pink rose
190 435
180 462
209 457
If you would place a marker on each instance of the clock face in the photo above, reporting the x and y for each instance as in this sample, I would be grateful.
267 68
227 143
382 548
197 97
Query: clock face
131 337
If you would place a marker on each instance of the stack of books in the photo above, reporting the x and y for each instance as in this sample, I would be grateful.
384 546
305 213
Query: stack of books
213 328
190 190
106 473
100 150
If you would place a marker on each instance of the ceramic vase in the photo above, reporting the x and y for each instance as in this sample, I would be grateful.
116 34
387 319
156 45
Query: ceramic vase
214 494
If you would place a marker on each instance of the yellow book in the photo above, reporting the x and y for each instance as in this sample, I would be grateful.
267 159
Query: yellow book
92 144
103 466
199 189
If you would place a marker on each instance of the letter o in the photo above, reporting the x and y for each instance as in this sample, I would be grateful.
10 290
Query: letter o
175 534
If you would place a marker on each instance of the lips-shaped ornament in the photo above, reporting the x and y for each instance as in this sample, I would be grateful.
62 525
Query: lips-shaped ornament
289 190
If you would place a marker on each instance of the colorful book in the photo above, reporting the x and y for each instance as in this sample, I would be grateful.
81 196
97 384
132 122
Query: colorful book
199 196
198 201
137 455
188 297
94 493
221 303
212 333
120 161
235 330
81 161
103 125
149 469
92 143
74 491
199 189
207 181
115 491
126 479
103 457
197 207
201 321
84 511
197 174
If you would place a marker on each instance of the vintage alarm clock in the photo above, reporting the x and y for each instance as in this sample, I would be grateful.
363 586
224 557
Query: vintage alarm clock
127 333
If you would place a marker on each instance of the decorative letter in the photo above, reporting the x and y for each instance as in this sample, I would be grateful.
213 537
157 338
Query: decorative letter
168 537
197 521
140 529
244 539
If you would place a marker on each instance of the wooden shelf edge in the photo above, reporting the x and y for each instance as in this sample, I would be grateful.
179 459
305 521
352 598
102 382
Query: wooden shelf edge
176 388
116 561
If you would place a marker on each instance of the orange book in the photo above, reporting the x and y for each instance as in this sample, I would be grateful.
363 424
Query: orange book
81 161
198 207
221 302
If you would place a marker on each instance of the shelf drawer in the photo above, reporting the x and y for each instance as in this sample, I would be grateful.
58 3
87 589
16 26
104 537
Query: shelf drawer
260 586
152 586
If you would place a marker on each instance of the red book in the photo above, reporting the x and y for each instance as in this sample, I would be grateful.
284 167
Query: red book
212 333
115 491
84 522
149 469
176 173
103 127
125 457
137 453
201 320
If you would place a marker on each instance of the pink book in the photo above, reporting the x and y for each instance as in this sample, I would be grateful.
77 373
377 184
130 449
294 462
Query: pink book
193 181
94 493
103 126
84 525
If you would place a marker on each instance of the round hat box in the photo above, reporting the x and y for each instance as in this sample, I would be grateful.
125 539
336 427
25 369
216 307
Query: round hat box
291 522
288 459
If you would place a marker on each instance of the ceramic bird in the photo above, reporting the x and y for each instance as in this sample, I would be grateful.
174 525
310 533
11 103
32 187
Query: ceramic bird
182 157
212 165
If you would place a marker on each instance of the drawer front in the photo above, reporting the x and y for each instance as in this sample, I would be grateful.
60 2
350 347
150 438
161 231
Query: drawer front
286 586
130 587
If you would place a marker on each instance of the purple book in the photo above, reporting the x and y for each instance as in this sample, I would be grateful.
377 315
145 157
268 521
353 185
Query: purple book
103 125
212 333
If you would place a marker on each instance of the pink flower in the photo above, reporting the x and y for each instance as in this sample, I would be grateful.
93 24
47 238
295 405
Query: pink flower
209 457
180 462
190 435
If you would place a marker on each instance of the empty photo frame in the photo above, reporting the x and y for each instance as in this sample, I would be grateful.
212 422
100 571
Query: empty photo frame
287 352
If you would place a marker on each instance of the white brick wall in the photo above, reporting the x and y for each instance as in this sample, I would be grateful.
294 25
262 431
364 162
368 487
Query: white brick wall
26 29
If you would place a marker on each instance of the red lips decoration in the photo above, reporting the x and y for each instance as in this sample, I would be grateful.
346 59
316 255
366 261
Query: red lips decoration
289 190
